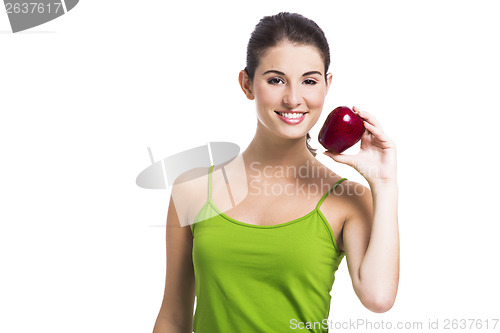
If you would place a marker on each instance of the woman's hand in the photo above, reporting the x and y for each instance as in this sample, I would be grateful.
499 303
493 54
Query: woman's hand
376 160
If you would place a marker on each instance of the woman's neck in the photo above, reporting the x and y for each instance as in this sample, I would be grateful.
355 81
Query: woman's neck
268 149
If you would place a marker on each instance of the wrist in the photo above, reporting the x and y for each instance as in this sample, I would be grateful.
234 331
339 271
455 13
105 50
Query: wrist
389 183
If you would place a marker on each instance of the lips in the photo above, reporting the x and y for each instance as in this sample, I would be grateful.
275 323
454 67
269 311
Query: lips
291 117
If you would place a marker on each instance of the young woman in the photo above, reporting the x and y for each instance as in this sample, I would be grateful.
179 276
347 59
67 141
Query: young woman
264 261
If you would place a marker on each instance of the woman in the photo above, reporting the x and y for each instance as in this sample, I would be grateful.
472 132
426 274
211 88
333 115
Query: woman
266 261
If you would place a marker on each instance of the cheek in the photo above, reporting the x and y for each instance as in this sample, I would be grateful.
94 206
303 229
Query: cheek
315 99
266 96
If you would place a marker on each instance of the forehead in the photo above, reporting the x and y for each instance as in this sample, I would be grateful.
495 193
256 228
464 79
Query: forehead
291 58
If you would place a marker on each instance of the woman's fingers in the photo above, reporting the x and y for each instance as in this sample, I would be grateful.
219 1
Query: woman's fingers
367 117
373 129
382 138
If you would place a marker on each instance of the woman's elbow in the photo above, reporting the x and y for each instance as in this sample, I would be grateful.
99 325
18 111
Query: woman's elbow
379 303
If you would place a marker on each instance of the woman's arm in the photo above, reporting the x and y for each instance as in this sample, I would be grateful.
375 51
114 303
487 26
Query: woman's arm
371 243
176 312
370 232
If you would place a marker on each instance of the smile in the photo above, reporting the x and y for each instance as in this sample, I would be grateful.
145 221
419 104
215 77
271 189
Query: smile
292 118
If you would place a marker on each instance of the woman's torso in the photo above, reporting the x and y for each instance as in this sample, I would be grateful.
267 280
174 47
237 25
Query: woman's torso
261 270
275 209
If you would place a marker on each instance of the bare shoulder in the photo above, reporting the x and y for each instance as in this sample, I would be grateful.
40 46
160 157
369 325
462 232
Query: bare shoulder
352 196
336 201
348 200
189 193
192 175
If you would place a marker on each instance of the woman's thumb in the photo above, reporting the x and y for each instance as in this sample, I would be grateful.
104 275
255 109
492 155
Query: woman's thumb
344 159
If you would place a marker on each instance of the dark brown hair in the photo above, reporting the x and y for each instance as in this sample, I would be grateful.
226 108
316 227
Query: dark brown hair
285 26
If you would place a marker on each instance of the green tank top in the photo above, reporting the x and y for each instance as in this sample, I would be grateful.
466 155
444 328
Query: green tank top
262 278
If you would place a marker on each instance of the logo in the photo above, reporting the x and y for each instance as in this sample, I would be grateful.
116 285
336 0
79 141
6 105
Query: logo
26 14
162 174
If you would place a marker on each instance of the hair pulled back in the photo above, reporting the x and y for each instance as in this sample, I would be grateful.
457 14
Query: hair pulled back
284 26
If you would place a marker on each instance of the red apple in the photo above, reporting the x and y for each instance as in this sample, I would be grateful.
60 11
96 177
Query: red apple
341 130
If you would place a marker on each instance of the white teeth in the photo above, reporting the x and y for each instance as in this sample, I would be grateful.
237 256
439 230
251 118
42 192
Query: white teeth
291 115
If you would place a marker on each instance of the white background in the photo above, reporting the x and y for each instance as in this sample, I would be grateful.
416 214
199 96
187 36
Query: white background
82 97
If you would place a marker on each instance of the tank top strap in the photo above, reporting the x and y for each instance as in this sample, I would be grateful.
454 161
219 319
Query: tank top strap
329 191
210 182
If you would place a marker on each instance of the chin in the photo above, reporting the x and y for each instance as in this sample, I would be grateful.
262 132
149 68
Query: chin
290 134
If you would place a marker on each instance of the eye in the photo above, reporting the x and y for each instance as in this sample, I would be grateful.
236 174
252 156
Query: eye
310 82
275 81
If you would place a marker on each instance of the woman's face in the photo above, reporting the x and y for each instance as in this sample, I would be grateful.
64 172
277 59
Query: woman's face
289 89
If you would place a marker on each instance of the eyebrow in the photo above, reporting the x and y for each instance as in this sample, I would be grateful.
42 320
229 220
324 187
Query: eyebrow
281 73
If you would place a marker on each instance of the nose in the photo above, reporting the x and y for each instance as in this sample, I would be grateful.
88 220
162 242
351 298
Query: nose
292 98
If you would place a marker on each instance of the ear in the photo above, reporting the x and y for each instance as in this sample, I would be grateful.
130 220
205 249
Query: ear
246 84
329 78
